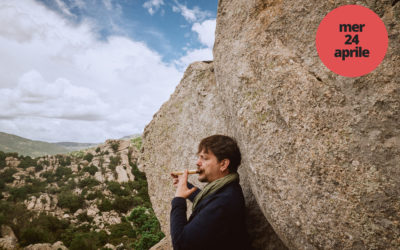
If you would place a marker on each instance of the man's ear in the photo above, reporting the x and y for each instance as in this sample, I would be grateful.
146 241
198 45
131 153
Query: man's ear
224 165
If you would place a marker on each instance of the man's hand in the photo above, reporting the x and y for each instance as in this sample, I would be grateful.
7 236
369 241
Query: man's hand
180 181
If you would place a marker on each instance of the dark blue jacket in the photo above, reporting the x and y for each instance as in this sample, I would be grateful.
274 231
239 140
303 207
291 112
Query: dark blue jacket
218 222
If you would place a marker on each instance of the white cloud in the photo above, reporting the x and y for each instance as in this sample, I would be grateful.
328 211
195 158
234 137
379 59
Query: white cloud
194 56
206 36
59 83
61 5
206 32
191 15
33 96
153 5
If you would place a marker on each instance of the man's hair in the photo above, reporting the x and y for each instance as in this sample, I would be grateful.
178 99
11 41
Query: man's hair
223 147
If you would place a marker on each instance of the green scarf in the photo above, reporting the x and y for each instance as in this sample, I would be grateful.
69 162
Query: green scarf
213 187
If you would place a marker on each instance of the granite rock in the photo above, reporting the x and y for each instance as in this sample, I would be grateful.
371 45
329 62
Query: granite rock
170 142
321 151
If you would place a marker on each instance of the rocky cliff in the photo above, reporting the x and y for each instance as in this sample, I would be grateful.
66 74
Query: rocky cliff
321 152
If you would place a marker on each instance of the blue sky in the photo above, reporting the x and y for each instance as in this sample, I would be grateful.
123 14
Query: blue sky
160 24
87 71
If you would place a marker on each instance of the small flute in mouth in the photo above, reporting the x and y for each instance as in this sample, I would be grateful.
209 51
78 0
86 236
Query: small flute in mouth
191 171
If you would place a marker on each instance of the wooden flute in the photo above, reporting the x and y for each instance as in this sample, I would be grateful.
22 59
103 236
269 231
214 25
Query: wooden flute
191 171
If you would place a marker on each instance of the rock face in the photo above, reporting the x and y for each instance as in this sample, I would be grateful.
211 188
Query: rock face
321 152
8 240
171 137
47 246
193 112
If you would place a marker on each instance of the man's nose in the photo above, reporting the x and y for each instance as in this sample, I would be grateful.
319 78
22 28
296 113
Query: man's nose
198 163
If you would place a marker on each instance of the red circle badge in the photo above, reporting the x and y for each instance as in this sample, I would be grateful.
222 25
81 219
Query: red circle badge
351 40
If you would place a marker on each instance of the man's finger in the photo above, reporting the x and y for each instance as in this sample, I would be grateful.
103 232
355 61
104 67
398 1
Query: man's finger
192 190
185 175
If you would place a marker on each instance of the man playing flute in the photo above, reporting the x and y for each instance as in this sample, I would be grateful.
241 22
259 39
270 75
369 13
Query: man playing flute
218 213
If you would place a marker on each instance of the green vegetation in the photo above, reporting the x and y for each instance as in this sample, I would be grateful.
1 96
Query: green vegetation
140 230
63 172
115 146
27 162
88 183
7 175
71 201
105 205
137 142
64 161
88 157
147 227
114 162
116 189
21 193
95 195
92 169
2 160
13 143
77 154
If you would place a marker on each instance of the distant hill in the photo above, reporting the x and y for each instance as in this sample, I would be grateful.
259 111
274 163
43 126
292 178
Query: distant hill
129 137
75 146
23 146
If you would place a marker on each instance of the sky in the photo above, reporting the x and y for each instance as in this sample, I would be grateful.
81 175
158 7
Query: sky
91 70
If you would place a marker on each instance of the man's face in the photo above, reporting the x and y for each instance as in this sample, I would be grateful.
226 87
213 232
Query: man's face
210 168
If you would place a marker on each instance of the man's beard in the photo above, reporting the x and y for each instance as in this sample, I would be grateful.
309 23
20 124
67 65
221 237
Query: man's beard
202 178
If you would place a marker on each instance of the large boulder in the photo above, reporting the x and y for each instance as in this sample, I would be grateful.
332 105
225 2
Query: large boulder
321 151
8 239
194 111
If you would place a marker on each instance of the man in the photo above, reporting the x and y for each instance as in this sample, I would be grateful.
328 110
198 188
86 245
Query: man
218 215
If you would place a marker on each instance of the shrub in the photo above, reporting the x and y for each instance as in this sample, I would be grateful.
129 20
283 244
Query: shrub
71 201
84 217
122 204
44 228
137 142
7 175
65 161
136 172
95 195
147 240
2 184
13 154
114 162
105 205
2 160
88 157
87 241
26 162
147 227
122 229
98 150
115 146
32 235
92 169
18 194
39 168
63 171
88 182
50 177
116 189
